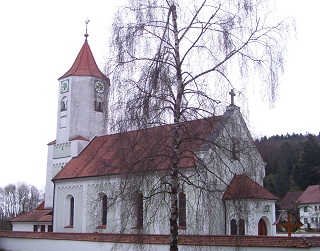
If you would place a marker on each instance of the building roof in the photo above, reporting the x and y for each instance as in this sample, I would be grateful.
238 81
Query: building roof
310 195
195 240
289 201
38 215
242 187
140 150
85 65
78 137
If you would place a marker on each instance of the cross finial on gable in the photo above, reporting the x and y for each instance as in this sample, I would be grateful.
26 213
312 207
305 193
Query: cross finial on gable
232 94
86 35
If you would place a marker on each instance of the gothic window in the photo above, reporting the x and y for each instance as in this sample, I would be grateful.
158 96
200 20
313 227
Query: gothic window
139 210
182 209
64 104
235 151
71 219
104 209
233 227
98 105
242 230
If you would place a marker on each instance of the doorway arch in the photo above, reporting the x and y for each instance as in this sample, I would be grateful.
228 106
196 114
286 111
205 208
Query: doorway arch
262 227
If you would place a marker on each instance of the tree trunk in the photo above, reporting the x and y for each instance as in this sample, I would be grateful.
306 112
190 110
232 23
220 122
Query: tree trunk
176 140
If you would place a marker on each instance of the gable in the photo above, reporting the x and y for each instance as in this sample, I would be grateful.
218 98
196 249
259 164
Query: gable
242 187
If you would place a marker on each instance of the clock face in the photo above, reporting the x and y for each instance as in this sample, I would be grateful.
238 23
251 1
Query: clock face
99 86
64 87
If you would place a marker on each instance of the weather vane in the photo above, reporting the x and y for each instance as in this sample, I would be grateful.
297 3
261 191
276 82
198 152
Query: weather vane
86 35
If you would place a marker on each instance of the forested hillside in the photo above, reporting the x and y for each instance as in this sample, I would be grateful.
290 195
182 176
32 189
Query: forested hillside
292 162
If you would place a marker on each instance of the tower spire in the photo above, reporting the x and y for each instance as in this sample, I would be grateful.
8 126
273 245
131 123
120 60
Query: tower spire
86 35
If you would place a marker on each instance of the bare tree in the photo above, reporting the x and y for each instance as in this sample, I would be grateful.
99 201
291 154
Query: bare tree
18 198
172 58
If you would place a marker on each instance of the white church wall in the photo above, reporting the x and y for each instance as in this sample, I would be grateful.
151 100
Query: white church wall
63 195
251 211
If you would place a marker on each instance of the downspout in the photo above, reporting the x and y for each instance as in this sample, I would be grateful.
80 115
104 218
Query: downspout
54 191
225 216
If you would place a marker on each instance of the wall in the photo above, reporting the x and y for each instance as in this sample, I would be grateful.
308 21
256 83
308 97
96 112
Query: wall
17 241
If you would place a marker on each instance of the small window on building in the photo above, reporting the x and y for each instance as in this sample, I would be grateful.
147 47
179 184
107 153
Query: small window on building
71 220
305 209
35 228
43 228
182 209
233 227
104 210
305 220
98 106
315 208
242 230
235 146
139 208
64 104
50 229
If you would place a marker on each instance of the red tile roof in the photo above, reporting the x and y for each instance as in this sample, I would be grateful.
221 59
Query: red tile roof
289 201
139 150
310 195
242 187
196 240
37 215
85 65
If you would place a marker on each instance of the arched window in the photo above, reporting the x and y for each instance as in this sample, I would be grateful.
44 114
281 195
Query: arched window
71 219
139 208
104 209
64 104
242 228
182 209
233 227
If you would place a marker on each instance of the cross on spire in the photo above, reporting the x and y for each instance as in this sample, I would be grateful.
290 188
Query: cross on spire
86 35
232 94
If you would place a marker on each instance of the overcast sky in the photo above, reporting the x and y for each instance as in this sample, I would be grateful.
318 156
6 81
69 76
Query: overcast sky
40 41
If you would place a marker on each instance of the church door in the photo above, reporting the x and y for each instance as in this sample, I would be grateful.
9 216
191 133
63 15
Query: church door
262 227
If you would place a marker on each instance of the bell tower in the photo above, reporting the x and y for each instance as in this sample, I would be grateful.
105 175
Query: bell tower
82 113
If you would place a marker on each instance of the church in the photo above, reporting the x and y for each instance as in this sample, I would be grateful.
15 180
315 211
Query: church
99 182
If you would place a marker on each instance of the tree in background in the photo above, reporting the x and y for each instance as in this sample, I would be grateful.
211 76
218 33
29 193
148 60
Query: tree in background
308 170
173 59
16 199
291 162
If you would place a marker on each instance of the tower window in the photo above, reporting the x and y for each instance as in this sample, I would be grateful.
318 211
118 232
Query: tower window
64 104
98 106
